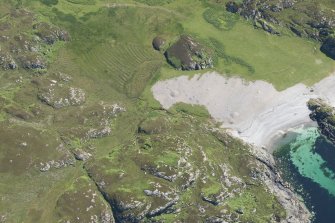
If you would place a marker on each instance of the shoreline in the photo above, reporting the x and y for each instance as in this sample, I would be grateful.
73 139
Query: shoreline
252 111
256 113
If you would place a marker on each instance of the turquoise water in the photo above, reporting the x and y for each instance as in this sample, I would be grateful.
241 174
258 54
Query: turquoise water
308 162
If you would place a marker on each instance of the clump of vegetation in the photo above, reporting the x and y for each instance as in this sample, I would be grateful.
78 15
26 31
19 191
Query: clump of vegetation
220 19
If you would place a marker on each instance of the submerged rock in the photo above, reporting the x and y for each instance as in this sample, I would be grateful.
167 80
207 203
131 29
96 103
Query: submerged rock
188 54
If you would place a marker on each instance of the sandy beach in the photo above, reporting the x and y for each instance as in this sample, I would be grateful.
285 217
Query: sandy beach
253 111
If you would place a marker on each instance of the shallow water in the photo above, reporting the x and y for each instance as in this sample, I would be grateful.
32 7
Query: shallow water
308 162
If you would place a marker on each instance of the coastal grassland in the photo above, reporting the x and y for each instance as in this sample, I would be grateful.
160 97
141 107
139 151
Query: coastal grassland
281 60
110 57
240 49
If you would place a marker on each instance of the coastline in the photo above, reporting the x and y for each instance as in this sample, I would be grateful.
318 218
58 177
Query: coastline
253 111
256 113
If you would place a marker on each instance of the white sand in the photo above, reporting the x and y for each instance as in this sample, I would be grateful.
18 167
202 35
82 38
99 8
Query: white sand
253 111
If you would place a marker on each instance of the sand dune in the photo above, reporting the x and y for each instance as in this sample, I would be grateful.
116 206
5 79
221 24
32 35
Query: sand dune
253 111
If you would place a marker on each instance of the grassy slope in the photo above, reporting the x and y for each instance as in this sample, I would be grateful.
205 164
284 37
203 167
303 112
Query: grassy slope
282 61
110 39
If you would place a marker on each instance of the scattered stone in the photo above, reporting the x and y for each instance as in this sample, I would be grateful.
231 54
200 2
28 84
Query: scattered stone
52 164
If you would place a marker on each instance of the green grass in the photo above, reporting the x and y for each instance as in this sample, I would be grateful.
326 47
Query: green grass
280 60
110 56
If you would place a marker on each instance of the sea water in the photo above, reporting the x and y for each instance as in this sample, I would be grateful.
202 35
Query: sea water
308 163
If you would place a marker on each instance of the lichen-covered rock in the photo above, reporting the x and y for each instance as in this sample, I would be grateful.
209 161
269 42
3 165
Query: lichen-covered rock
50 34
88 122
7 61
58 93
189 54
82 155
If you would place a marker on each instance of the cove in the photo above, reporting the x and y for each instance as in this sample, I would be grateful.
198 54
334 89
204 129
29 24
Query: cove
308 163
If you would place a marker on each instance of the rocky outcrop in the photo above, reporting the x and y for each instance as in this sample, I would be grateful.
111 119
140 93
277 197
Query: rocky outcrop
328 47
59 93
50 34
324 115
26 42
189 54
181 171
296 210
312 19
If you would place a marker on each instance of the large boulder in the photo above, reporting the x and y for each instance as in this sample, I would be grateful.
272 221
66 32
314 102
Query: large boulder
188 54
158 42
328 47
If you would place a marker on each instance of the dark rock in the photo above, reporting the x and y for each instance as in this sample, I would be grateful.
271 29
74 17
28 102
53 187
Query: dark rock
212 200
328 47
232 7
188 54
158 42
324 115
266 26
239 211
165 209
